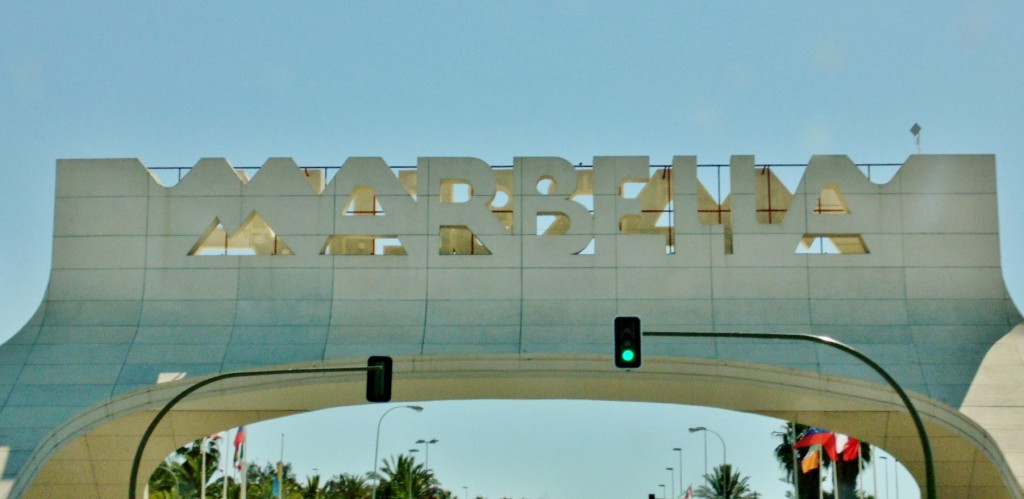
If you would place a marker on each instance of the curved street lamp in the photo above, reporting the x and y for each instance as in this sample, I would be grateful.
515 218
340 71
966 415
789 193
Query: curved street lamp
724 460
376 446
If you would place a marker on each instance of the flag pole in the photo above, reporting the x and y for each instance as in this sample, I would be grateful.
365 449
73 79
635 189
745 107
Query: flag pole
202 471
280 469
796 461
227 467
240 443
821 488
835 476
860 466
874 469
245 479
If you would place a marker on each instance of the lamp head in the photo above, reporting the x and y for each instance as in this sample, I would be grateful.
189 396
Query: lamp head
697 428
415 408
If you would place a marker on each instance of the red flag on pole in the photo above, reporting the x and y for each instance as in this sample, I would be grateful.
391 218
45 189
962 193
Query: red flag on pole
818 436
239 447
851 450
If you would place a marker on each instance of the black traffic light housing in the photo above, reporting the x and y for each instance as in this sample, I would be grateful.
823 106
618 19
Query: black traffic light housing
627 342
378 381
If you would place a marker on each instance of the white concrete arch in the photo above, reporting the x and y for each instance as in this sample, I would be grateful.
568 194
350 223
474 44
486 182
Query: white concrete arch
90 456
996 397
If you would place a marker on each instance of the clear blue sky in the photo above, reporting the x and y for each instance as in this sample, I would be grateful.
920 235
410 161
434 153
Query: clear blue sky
170 82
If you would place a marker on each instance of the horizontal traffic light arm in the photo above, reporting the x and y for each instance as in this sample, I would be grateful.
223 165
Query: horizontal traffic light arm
929 465
133 480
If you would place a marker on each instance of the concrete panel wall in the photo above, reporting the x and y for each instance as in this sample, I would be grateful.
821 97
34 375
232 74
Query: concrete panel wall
128 301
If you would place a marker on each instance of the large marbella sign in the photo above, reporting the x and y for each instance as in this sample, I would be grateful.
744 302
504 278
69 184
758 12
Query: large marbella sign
469 208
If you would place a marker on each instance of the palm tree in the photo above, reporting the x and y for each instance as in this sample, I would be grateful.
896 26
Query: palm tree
163 483
260 482
312 489
784 451
180 475
850 470
404 479
347 486
810 482
725 483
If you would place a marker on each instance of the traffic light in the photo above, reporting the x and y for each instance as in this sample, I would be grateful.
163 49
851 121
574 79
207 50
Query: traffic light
627 342
378 381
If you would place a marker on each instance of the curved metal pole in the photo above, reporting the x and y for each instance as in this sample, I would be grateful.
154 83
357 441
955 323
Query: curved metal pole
724 460
376 447
133 480
720 439
929 466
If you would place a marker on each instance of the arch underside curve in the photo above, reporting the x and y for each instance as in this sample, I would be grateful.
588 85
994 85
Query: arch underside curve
90 455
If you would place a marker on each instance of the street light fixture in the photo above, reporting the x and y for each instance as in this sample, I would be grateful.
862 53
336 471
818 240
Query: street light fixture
426 446
411 452
724 460
376 447
680 451
886 466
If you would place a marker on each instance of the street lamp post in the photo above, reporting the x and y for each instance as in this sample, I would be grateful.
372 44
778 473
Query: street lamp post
662 489
672 480
695 429
886 466
426 450
896 476
724 460
874 470
680 451
411 452
376 447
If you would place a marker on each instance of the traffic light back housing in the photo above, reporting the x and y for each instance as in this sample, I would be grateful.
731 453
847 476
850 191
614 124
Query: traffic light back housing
378 381
627 342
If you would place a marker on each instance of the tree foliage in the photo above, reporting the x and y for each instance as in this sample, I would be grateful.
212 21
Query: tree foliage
179 476
402 478
725 483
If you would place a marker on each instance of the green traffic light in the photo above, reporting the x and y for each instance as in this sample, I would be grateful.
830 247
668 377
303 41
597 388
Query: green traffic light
627 355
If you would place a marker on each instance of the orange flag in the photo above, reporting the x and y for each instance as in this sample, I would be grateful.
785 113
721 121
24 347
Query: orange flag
811 461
